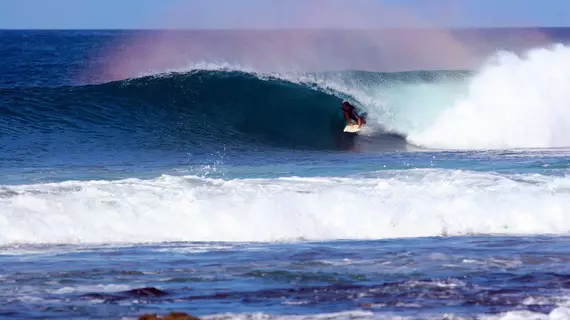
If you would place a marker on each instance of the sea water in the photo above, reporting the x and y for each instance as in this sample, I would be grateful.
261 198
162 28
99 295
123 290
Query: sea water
231 193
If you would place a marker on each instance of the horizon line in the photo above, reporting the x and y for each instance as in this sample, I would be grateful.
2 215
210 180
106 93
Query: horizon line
287 28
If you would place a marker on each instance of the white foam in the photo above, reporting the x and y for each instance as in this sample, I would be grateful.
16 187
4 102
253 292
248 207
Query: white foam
560 313
556 314
264 316
560 301
394 204
512 102
109 288
353 315
201 66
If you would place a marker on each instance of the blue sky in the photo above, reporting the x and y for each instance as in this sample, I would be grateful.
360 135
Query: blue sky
129 14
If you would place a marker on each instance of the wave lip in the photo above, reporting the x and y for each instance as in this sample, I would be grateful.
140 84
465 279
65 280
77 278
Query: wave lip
420 203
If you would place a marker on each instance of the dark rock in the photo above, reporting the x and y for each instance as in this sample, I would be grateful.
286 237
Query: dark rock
146 292
179 316
170 316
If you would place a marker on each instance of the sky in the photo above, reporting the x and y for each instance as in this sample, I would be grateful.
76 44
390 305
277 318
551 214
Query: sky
222 14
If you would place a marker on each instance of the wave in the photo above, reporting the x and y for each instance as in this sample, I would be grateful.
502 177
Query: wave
170 208
511 102
199 109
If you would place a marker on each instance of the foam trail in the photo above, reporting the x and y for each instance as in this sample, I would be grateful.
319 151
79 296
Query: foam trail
512 102
168 208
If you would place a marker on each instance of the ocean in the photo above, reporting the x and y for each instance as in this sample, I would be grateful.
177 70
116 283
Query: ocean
207 172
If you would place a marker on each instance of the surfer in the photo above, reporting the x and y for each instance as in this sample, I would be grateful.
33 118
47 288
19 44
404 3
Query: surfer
351 114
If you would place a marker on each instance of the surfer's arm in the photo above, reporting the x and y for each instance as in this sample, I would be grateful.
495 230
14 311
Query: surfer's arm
347 117
358 119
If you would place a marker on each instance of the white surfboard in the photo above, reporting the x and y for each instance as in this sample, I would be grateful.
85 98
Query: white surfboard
352 128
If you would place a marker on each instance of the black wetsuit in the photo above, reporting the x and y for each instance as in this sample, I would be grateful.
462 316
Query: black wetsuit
351 110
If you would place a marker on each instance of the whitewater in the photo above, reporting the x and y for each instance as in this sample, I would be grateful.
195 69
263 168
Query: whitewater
419 204
512 102
217 189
